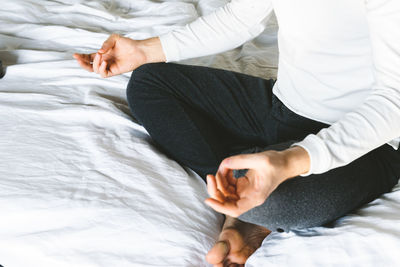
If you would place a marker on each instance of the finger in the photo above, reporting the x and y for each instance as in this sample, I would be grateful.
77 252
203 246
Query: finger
109 43
228 174
229 191
229 177
232 181
96 63
212 189
233 191
103 69
211 186
222 184
85 61
244 161
226 208
85 57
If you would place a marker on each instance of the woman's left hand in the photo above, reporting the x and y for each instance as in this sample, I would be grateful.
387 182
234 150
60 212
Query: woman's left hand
266 170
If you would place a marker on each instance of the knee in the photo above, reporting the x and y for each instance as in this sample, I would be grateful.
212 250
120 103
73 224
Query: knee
142 78
142 85
286 209
273 214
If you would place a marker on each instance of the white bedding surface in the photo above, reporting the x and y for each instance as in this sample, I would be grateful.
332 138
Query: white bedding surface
81 183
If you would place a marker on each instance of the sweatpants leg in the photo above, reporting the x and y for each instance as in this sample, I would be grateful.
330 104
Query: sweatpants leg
200 115
315 200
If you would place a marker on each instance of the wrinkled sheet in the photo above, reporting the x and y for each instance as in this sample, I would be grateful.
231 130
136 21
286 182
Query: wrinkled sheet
82 184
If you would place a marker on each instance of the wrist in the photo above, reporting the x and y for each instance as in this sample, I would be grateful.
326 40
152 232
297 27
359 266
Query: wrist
296 160
152 50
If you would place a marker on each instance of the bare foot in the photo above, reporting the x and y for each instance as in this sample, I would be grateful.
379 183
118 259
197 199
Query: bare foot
237 241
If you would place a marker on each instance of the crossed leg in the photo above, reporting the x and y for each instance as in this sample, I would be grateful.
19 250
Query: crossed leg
200 115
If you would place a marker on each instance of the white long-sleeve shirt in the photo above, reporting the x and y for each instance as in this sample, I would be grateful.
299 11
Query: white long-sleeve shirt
339 63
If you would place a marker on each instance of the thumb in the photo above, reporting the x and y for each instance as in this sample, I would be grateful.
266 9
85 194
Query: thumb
109 43
244 161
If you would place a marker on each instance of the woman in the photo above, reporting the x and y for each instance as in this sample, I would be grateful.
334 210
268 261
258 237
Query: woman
315 145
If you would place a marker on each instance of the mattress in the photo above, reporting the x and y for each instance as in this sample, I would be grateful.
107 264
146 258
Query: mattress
81 182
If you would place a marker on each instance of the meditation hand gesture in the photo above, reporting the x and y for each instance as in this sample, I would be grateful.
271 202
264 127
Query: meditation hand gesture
120 54
266 170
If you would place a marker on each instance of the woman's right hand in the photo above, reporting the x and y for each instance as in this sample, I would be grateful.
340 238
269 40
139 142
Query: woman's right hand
120 54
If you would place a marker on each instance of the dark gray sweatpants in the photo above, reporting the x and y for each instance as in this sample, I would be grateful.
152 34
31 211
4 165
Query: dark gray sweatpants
199 116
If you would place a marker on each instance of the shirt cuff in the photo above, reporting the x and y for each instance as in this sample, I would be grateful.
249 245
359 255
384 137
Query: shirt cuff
170 47
318 153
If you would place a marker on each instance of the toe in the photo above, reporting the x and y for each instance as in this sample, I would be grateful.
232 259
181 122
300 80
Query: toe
218 253
240 256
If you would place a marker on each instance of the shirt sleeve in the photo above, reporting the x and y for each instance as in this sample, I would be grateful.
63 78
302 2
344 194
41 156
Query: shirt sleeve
224 29
377 120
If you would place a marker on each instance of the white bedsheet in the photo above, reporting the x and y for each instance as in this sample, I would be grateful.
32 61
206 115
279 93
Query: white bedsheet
81 183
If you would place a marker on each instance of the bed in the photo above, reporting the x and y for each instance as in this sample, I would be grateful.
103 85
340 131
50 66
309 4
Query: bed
82 184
